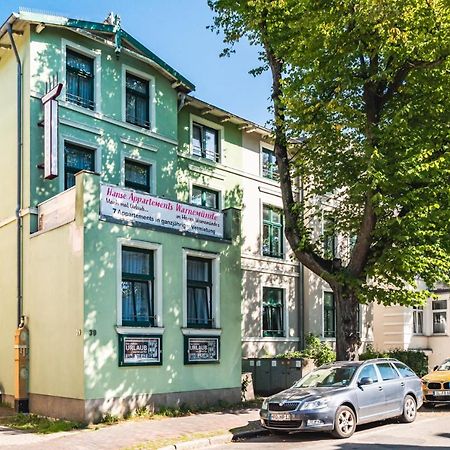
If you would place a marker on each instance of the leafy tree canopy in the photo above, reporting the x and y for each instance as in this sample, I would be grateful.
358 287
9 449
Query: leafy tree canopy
363 87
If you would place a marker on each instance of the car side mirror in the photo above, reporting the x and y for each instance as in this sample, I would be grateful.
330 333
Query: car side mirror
364 381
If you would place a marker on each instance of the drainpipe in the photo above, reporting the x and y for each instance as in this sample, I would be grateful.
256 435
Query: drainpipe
301 288
19 176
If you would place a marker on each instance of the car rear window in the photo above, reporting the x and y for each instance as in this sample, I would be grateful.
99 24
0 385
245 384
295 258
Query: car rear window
387 371
404 370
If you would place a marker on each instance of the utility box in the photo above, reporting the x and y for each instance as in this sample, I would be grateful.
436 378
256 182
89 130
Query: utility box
272 375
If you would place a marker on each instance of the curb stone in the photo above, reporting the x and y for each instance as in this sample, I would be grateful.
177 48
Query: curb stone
216 440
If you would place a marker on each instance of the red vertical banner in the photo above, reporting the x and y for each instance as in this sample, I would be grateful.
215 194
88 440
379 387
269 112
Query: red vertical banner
51 132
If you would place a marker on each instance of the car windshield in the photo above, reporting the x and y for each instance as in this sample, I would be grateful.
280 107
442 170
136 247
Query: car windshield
445 365
327 377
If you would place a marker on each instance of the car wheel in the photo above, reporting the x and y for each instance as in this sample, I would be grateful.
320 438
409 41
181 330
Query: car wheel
409 410
344 423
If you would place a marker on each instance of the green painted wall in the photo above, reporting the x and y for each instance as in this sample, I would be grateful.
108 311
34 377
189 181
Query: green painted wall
101 351
106 130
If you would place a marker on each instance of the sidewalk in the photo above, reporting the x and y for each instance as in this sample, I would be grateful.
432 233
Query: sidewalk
150 434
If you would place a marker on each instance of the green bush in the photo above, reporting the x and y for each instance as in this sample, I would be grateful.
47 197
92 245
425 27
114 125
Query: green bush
320 352
417 360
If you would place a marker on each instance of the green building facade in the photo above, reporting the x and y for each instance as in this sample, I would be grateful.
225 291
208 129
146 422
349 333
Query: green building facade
131 294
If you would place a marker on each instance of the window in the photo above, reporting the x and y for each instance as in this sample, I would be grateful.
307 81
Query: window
329 239
439 308
269 165
137 175
272 232
273 312
137 101
387 371
76 158
404 370
199 292
205 142
418 320
205 197
137 287
369 372
80 79
329 315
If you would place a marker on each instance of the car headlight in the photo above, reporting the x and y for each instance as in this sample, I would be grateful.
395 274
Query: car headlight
315 404
265 404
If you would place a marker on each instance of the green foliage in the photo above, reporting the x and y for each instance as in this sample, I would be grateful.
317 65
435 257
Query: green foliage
37 424
362 87
109 419
320 352
416 360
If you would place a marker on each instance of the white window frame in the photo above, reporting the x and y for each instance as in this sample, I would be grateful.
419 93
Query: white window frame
220 142
96 56
88 145
433 311
215 292
157 286
151 95
135 155
284 288
193 184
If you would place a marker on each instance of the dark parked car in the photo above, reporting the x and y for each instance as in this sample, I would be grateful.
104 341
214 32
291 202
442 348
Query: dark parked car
336 397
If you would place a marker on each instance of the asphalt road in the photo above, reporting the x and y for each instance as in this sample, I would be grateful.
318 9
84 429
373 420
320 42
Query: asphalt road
431 430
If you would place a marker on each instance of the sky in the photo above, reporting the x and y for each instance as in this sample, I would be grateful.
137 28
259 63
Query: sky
176 31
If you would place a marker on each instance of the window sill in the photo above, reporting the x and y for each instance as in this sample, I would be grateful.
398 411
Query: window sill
139 330
201 331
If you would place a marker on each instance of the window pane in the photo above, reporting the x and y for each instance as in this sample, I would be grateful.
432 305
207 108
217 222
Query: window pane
387 371
404 370
196 198
198 270
369 372
210 199
270 168
137 101
142 301
439 304
137 175
134 262
127 301
198 310
439 322
79 158
273 312
210 144
197 140
80 79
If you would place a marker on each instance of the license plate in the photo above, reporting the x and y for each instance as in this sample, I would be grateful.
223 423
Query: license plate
437 393
280 416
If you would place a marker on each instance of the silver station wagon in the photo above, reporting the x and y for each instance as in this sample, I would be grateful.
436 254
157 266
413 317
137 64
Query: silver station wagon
336 397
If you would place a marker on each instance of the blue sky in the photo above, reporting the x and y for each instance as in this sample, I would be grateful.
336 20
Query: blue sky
176 31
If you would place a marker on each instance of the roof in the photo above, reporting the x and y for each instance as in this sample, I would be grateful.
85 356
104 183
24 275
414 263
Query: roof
225 116
109 33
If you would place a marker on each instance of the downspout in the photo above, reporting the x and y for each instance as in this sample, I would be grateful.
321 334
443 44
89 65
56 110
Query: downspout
301 288
19 177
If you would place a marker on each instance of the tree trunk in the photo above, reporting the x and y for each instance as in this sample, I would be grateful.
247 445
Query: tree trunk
347 323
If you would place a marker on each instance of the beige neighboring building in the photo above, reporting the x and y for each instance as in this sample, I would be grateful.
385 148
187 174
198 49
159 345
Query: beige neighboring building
422 328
